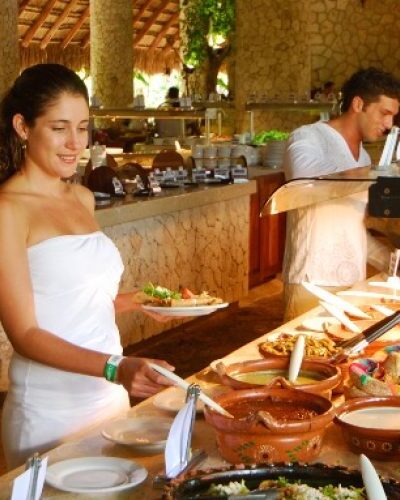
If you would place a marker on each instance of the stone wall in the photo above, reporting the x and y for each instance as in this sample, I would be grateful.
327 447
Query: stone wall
289 47
205 248
346 36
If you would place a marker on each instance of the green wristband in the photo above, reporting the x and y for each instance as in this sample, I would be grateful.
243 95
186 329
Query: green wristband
111 368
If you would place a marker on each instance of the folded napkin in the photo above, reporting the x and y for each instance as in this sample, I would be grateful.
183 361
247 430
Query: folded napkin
179 438
29 484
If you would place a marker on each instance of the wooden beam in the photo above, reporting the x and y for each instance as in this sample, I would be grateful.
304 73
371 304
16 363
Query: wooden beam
49 35
22 6
164 30
144 7
150 21
76 28
38 23
85 40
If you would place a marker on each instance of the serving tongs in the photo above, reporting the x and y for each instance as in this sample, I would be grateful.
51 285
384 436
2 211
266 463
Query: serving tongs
34 463
357 344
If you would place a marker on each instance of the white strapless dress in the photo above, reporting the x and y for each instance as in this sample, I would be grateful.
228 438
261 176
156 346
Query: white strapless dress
75 280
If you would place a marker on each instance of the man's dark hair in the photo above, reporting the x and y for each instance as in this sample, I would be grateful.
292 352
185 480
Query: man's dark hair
369 84
173 93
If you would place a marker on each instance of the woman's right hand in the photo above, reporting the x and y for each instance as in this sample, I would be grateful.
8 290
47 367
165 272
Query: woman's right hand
139 379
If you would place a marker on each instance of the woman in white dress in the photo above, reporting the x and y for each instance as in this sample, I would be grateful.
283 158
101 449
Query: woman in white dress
59 274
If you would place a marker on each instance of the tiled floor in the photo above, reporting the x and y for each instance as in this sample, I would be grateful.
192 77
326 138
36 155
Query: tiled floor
192 346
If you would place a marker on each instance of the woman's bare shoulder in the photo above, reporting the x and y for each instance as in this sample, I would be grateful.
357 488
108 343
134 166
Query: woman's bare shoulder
84 195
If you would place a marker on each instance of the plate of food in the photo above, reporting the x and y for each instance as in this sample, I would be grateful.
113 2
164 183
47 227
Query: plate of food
277 482
180 303
146 434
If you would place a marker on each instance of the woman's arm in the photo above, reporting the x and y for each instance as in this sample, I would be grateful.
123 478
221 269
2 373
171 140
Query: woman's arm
17 314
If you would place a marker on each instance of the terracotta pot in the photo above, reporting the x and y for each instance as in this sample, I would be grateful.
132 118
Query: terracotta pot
382 444
331 375
242 441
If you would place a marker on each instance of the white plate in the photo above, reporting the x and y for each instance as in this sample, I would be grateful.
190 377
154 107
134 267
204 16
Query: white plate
147 434
185 311
95 475
173 399
317 323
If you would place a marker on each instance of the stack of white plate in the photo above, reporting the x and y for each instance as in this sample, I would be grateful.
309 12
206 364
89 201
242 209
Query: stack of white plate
274 152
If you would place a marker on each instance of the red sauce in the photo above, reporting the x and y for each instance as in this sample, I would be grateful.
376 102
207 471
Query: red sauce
279 410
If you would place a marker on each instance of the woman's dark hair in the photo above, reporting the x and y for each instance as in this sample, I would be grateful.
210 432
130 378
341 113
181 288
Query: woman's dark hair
37 88
369 84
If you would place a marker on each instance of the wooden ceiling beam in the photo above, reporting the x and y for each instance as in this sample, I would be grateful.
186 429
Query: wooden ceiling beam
38 23
76 28
22 6
144 7
49 35
150 21
164 30
85 40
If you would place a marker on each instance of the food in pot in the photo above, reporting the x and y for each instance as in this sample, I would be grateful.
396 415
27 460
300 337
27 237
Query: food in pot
314 347
279 410
263 377
290 491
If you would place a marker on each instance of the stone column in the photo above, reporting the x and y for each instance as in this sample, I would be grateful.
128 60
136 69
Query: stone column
272 57
9 51
111 51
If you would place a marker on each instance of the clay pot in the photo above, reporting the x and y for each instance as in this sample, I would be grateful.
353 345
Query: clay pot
241 440
330 375
382 444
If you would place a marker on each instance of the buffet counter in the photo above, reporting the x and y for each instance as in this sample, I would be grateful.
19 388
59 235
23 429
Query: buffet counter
90 444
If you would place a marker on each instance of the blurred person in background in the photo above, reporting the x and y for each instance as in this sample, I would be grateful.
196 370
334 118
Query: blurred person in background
327 243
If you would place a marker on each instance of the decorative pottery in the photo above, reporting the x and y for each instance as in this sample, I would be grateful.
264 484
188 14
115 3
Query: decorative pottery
375 442
329 376
244 440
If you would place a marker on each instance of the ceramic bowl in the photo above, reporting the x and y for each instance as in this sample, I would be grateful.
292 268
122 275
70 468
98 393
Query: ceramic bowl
245 440
364 432
329 376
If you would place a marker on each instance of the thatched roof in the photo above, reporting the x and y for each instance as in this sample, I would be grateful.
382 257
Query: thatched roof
59 31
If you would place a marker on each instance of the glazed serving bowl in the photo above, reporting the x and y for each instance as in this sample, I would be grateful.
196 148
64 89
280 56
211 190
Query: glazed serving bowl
314 377
372 426
270 425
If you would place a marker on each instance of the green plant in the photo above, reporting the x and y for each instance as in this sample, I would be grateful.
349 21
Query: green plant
205 19
138 75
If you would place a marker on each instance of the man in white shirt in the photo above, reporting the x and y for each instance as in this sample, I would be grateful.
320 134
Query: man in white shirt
328 243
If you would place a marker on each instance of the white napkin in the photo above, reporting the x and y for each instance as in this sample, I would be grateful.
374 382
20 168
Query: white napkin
21 483
178 440
389 147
